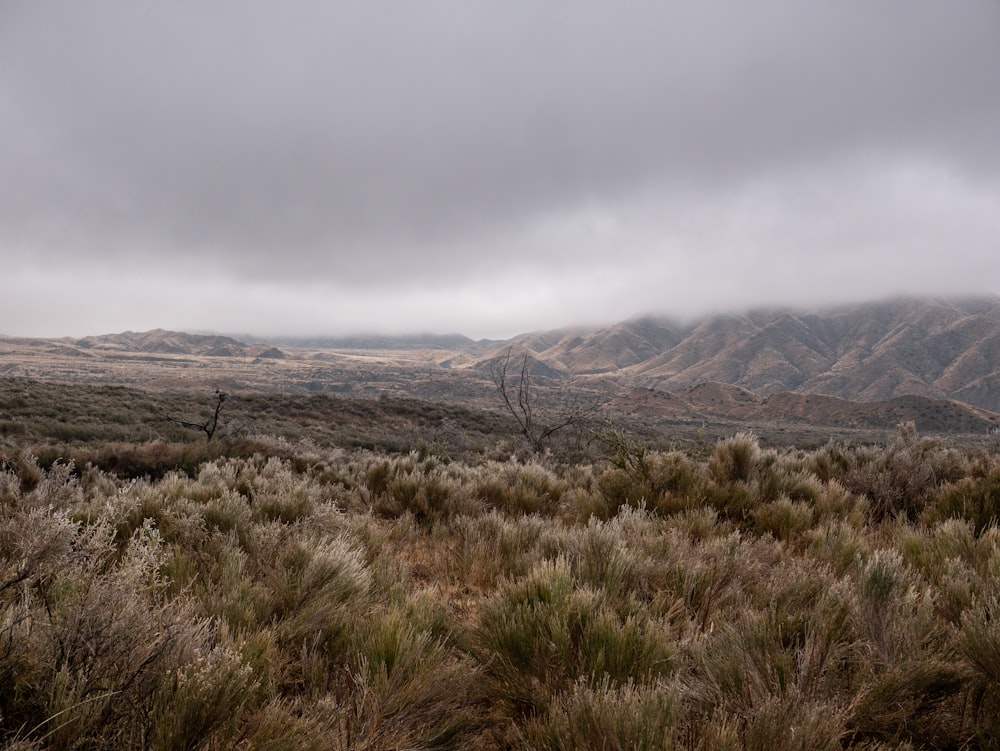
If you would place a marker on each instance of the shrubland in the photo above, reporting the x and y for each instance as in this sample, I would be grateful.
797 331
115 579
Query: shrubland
265 594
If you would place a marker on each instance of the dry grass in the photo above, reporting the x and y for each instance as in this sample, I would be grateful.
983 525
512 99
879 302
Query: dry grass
295 597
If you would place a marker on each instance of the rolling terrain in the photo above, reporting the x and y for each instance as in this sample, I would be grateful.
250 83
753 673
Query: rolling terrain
866 367
874 352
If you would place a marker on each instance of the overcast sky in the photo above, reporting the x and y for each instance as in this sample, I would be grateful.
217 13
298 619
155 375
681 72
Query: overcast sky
489 168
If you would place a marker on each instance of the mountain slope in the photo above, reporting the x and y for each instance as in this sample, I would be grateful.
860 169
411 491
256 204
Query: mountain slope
939 349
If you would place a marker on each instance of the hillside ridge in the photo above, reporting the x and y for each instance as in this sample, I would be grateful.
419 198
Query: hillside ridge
935 362
939 349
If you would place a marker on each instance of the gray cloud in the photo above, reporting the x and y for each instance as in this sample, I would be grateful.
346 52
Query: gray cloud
575 155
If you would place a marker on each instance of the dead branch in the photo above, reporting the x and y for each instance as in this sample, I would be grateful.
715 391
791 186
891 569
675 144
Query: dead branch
210 425
521 401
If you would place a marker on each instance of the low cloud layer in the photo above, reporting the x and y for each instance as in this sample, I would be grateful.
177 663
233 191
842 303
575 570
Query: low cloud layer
489 168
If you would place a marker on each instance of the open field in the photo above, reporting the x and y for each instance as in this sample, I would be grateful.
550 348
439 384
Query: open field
263 594
356 568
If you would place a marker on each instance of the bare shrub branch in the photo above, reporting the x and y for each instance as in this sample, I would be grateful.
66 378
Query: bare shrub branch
520 399
210 425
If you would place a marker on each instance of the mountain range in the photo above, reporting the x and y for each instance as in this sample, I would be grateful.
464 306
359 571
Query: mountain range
933 361
940 349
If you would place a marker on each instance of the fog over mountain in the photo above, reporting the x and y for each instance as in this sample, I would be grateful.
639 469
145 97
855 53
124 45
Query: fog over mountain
869 352
929 349
315 168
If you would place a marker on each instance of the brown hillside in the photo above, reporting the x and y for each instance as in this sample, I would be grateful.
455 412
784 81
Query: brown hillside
929 415
615 348
875 352
654 403
722 399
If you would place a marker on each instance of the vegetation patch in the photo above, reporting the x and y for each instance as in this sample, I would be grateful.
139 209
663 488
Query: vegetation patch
252 592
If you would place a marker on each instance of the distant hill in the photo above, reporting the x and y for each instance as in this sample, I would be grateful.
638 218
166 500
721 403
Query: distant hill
939 349
160 341
606 350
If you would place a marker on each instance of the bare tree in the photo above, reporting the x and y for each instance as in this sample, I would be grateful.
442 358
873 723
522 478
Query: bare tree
520 399
211 424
